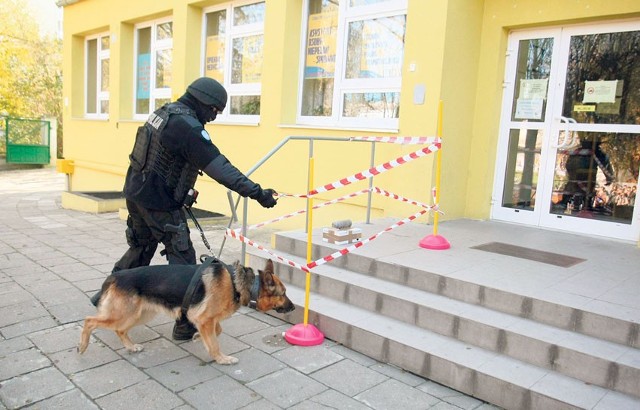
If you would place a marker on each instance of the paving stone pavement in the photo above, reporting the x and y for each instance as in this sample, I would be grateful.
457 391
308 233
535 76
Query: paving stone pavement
52 260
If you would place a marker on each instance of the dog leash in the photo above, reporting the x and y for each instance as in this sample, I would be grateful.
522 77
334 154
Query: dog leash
189 200
204 259
197 224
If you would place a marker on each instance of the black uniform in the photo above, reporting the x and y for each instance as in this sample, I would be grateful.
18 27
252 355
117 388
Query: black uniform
172 148
162 171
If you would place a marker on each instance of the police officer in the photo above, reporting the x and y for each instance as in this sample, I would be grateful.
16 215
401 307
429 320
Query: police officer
171 148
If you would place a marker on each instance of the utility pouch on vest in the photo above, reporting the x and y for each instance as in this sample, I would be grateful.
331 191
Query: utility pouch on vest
138 156
156 122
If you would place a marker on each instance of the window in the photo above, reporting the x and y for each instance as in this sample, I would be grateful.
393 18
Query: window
153 62
233 44
352 65
97 76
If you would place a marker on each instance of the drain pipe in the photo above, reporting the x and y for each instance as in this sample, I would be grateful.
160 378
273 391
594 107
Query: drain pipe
66 166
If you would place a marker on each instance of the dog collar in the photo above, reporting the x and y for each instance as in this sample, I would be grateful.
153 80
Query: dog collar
255 289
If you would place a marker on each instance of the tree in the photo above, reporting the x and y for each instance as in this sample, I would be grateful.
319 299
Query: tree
30 67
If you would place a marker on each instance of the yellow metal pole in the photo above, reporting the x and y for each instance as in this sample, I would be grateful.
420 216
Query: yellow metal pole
309 243
438 168
305 334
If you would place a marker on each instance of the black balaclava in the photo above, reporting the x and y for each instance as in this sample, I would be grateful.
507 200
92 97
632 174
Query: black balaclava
204 113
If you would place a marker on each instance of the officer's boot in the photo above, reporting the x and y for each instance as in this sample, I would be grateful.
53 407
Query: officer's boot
183 329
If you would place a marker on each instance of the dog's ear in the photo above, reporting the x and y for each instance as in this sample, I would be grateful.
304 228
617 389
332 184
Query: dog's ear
269 266
266 276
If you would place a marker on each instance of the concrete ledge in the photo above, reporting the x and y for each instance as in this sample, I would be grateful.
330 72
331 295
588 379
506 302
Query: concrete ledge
94 202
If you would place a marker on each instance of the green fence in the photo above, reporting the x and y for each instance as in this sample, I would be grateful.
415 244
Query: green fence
27 141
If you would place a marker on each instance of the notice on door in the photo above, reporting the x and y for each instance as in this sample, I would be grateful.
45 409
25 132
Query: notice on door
529 109
530 102
531 89
600 91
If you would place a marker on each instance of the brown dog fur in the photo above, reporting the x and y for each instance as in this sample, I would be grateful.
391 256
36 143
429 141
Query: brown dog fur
120 309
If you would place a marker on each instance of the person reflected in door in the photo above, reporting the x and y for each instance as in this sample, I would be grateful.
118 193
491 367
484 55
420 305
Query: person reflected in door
582 164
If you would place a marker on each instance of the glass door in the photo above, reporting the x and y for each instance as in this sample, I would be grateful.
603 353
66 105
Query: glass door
569 149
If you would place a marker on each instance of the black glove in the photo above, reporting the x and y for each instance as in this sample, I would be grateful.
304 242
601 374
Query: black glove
266 198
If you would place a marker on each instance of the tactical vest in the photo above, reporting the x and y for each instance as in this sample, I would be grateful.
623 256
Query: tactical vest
149 155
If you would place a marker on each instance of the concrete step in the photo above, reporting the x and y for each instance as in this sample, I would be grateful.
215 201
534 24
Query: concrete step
584 358
492 377
379 261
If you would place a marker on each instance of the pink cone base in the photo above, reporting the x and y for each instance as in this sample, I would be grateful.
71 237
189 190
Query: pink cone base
304 335
435 242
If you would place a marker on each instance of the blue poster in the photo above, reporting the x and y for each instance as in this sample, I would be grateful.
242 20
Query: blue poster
144 76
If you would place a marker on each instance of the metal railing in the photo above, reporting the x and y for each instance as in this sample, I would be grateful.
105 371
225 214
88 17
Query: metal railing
245 209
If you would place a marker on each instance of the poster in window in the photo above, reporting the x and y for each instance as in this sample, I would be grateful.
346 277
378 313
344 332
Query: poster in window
381 50
143 76
251 59
214 59
321 45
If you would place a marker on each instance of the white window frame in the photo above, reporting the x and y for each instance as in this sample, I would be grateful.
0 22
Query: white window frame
231 33
101 96
342 85
156 45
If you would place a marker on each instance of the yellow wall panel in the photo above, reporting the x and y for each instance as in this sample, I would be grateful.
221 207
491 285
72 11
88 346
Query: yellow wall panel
454 50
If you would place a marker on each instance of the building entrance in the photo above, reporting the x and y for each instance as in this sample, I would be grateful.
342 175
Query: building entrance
569 148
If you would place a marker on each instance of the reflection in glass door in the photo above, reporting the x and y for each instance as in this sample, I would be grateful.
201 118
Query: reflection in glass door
569 151
593 179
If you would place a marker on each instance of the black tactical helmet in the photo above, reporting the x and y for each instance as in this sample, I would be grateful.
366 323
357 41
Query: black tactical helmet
209 92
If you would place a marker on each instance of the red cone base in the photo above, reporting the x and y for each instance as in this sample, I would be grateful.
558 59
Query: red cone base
435 242
304 335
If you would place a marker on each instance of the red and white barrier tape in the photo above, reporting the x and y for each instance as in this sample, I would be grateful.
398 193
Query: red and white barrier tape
437 143
307 268
302 211
398 140
376 190
433 207
356 245
241 238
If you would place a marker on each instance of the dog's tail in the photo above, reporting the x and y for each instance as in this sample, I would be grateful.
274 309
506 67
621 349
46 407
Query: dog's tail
95 299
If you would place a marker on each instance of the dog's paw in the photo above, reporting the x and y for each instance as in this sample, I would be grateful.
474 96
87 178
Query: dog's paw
136 348
226 360
196 337
81 348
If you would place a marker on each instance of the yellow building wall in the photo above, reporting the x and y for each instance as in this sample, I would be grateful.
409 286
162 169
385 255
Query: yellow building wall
455 49
100 148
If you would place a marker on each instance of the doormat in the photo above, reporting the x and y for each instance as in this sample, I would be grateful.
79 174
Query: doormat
550 258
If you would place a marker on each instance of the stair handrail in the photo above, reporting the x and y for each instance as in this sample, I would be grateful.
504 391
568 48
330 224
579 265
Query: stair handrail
265 158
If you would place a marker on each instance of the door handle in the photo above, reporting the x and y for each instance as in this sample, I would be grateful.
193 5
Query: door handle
570 138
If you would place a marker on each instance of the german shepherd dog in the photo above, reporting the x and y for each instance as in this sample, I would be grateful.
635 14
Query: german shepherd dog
132 297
